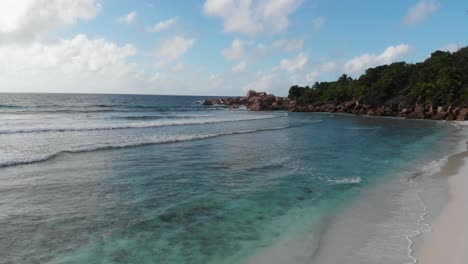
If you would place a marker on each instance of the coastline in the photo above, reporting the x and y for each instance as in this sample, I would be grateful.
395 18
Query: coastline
389 233
447 241
262 101
349 198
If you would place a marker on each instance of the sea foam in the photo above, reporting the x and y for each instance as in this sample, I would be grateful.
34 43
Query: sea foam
177 122
165 140
352 180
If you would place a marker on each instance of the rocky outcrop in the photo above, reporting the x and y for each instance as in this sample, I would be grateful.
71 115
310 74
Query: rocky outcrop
463 115
442 115
418 113
255 101
261 101
207 102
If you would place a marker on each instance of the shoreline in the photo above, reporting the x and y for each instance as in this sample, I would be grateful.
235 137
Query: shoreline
391 232
262 101
447 240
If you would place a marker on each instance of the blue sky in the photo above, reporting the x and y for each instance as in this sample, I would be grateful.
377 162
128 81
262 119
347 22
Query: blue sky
213 47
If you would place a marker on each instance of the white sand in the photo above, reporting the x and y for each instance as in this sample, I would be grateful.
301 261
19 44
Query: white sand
447 243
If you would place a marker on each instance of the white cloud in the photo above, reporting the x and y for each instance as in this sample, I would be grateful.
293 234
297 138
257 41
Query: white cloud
294 64
240 67
299 79
312 76
328 67
299 73
276 13
178 67
315 73
34 61
129 18
236 51
172 48
215 80
249 51
252 17
289 45
27 20
77 64
163 25
391 54
318 23
420 12
157 77
261 82
450 47
261 50
77 54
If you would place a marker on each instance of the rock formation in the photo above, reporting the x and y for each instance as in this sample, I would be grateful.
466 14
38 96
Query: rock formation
255 101
261 101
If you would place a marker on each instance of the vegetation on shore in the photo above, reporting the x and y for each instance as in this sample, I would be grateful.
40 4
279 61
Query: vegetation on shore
434 89
441 80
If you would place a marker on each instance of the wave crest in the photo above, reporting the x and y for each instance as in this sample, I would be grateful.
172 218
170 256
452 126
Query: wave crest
180 122
173 139
352 180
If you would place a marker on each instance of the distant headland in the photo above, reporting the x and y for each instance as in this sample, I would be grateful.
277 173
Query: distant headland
434 89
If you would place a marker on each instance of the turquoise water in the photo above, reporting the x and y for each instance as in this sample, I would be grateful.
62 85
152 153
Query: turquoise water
159 179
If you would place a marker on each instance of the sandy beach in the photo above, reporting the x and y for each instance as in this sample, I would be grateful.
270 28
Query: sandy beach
447 242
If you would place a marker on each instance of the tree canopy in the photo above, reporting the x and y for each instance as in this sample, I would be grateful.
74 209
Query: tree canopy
441 79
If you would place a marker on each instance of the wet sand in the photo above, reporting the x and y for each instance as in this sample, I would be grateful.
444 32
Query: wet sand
447 242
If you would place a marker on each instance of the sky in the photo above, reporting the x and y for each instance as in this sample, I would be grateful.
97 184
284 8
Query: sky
213 47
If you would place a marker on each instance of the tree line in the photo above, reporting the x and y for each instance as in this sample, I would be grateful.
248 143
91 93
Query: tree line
441 80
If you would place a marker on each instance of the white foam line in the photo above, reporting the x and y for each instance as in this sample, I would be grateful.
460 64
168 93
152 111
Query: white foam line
137 125
142 143
459 124
352 180
421 222
429 169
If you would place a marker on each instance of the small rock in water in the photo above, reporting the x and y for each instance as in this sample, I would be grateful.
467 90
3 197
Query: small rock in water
207 102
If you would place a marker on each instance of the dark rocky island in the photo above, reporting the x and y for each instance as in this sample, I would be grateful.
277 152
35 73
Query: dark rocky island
255 101
436 88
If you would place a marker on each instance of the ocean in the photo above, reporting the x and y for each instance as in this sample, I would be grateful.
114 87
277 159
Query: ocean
162 179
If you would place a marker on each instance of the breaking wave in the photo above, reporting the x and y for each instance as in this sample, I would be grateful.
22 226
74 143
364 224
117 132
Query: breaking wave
352 180
180 122
166 140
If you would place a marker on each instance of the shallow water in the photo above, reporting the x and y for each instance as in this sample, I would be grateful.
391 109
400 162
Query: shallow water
160 179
